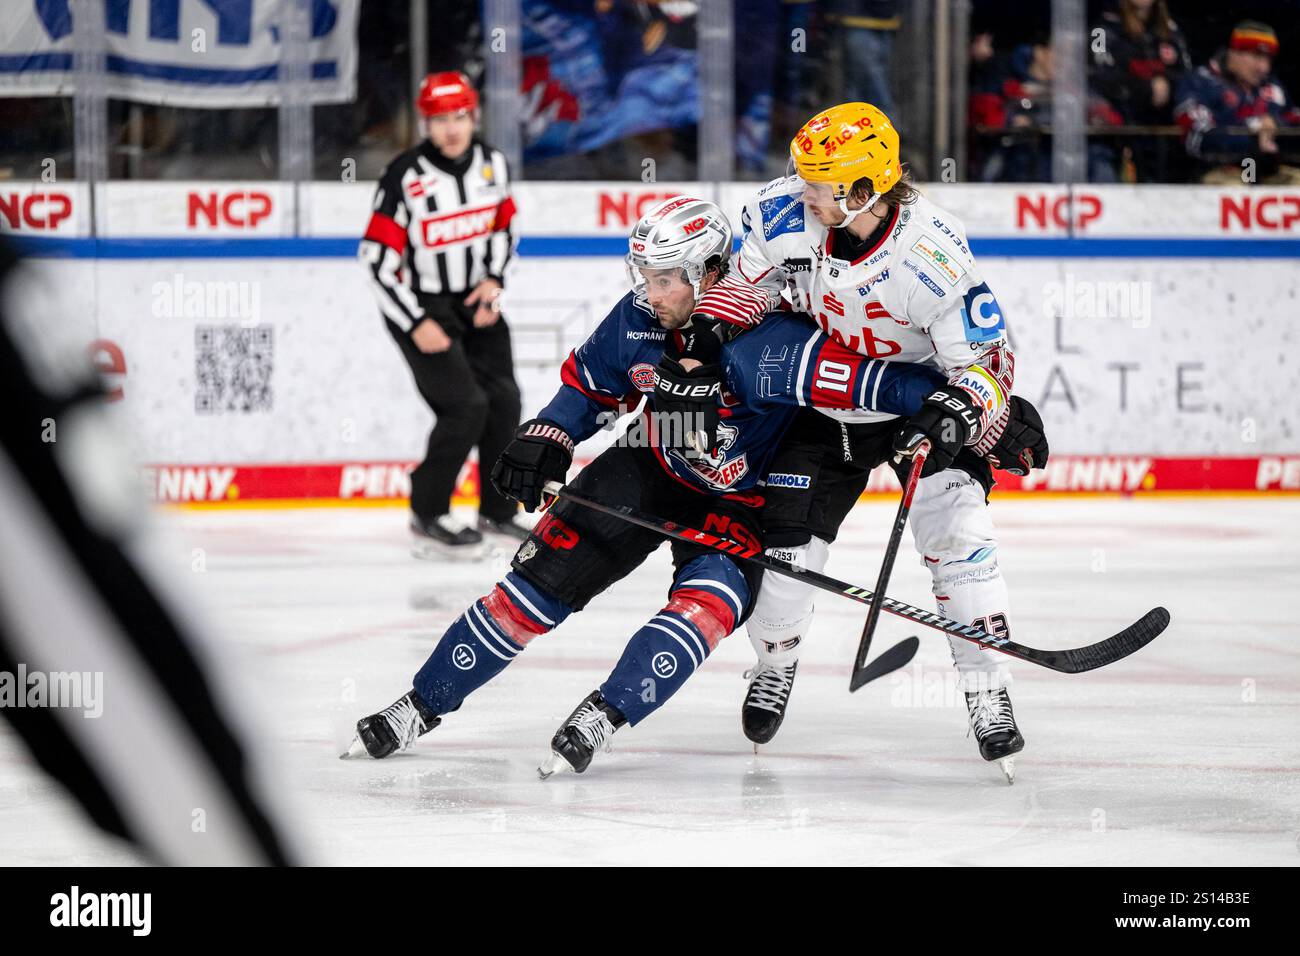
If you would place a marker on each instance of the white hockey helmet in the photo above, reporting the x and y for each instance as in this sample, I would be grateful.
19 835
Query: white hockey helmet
690 234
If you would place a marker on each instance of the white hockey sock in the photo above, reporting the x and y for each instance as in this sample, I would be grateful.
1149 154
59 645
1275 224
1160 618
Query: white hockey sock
784 609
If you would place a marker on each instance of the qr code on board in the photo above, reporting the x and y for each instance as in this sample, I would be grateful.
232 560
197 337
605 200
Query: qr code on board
232 368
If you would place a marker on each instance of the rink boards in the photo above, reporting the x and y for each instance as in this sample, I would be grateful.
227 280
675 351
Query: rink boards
1155 328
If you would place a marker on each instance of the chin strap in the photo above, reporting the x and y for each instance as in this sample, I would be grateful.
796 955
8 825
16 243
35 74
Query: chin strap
851 214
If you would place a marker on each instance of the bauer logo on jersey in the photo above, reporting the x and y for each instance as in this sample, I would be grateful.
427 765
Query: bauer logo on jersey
933 255
463 225
781 214
981 316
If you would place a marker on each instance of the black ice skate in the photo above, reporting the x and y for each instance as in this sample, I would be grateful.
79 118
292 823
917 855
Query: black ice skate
440 538
587 730
515 528
393 729
764 707
995 728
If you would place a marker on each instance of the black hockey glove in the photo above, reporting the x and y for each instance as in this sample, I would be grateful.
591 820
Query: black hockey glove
947 418
692 398
540 452
701 339
1021 444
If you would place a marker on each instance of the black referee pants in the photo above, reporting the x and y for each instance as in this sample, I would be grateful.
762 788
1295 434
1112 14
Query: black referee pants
472 390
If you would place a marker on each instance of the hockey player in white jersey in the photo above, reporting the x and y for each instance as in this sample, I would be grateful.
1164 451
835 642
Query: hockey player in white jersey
887 273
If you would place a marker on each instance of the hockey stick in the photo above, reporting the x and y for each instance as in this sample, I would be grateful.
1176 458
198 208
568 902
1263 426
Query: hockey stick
1071 661
860 674
891 660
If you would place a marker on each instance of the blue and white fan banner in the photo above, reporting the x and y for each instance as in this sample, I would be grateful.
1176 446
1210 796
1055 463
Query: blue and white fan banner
198 53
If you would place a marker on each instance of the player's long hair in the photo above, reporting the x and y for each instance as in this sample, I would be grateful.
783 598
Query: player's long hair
902 193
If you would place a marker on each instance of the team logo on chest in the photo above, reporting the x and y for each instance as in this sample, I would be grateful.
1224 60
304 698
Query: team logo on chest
718 469
643 376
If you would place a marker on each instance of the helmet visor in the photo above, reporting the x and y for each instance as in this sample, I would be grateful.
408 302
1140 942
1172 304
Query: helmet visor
818 194
666 278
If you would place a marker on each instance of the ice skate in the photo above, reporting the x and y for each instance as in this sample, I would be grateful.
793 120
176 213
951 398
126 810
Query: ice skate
587 730
994 724
515 529
393 729
765 702
440 539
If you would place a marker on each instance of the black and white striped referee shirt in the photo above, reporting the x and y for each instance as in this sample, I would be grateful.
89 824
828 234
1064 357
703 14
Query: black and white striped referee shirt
438 226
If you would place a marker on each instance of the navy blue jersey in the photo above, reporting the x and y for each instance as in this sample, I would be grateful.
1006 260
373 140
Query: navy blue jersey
770 371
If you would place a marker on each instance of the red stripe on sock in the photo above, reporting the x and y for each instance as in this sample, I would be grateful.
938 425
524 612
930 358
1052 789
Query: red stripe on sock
705 611
511 618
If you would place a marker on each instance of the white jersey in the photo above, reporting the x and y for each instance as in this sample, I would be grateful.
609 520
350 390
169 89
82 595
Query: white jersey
915 296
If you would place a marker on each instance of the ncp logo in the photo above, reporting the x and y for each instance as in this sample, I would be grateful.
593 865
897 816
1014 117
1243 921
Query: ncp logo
1066 210
35 210
623 208
1276 213
238 208
462 655
664 664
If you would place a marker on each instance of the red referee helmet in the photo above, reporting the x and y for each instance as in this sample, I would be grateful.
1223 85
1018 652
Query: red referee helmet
448 92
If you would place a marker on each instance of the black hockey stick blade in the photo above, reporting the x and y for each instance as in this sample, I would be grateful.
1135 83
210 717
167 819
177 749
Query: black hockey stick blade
900 655
1116 647
887 564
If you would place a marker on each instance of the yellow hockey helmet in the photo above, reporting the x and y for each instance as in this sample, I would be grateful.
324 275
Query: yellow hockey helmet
846 143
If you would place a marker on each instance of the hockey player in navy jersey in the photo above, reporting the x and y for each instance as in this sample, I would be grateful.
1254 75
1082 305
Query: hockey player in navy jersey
676 252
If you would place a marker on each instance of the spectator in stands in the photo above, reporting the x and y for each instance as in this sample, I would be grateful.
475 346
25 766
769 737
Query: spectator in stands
1236 89
867 29
1137 63
1026 108
798 68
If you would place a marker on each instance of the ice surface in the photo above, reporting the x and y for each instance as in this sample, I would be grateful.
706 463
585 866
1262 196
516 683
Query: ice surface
1186 753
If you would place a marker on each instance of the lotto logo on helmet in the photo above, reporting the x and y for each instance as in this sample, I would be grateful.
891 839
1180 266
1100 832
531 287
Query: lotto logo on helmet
780 479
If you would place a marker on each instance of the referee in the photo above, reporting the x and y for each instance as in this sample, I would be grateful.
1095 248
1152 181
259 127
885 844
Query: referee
437 247
172 762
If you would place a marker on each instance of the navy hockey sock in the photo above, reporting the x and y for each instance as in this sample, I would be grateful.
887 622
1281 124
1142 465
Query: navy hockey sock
483 640
707 600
